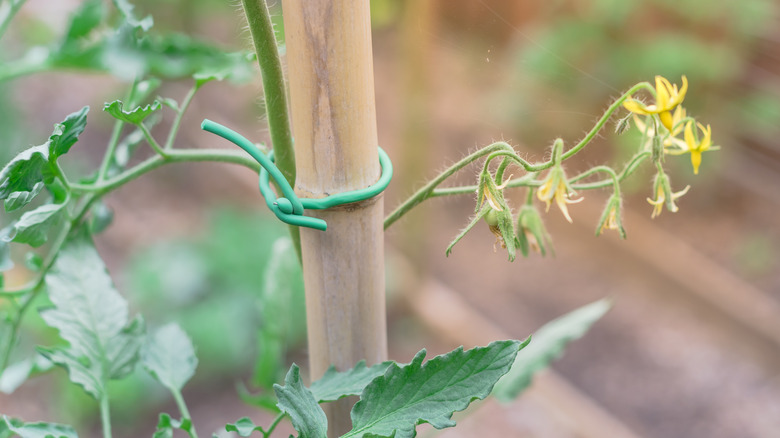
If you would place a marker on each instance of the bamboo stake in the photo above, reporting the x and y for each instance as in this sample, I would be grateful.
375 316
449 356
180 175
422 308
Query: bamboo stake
334 118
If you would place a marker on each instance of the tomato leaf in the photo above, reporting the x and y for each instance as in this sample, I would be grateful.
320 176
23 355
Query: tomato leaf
548 344
170 357
334 385
243 427
297 401
32 228
394 404
39 430
92 317
84 20
66 133
135 117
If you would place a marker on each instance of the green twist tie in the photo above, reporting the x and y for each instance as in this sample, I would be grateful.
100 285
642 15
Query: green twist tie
289 208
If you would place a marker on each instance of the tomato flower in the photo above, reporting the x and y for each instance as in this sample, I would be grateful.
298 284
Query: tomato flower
695 147
668 97
556 188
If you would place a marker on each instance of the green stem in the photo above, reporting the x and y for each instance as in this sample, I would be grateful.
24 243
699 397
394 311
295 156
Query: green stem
262 30
108 157
12 10
105 416
179 115
627 171
185 413
172 156
273 425
605 118
427 190
152 142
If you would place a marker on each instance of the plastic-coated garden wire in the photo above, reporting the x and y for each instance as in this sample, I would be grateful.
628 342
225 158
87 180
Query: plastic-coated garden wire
289 208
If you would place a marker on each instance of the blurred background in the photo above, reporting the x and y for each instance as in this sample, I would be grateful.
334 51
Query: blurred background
692 345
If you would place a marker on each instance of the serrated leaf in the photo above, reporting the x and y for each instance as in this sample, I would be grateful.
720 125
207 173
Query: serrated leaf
297 401
66 134
170 103
5 250
40 430
32 228
234 63
17 200
334 385
16 374
394 404
136 116
170 357
126 9
548 344
86 18
92 317
243 427
166 425
25 171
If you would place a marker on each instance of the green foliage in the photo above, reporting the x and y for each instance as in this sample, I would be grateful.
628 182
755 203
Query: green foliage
405 396
548 344
170 357
33 227
18 373
135 116
334 385
166 425
298 402
92 317
38 430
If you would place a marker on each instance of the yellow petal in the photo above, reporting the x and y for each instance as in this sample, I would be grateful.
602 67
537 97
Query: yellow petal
707 142
681 95
696 161
666 120
636 107
663 90
689 138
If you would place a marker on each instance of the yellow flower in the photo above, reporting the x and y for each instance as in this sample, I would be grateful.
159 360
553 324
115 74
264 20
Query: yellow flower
694 146
660 200
667 98
486 195
555 187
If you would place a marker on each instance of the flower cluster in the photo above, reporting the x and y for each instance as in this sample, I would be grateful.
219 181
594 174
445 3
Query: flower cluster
666 129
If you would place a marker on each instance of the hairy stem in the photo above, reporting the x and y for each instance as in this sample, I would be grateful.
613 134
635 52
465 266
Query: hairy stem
264 39
172 156
427 190
605 118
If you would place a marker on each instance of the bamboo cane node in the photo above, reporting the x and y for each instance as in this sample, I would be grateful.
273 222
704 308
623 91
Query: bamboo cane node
289 208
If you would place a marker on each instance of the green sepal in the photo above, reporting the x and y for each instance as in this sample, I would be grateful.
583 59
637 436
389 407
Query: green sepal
530 225
482 213
135 117
506 228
